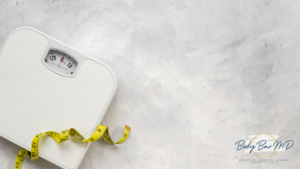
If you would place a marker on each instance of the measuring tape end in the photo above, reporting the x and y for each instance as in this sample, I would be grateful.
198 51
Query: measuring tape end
127 127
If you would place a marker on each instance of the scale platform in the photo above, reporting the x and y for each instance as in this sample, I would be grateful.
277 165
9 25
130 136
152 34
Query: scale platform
46 85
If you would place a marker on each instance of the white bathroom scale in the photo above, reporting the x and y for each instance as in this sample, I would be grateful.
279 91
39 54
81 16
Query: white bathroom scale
46 85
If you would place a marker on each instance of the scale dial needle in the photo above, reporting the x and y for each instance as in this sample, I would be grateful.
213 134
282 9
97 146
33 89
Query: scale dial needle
62 59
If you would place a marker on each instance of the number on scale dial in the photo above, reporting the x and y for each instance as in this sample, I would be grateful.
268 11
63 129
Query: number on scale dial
61 62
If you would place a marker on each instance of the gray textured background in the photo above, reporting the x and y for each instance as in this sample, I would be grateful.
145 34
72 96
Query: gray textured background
194 76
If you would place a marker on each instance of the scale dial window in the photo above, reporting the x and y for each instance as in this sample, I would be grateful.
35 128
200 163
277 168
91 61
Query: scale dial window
61 62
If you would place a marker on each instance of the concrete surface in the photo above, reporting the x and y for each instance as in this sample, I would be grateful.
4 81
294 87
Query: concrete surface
203 74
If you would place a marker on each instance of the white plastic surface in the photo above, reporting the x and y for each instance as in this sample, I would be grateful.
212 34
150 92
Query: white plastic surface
33 99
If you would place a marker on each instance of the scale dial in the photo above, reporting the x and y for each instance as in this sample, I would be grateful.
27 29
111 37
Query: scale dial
61 62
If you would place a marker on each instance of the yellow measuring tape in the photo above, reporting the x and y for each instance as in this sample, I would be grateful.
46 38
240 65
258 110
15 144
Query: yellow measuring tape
64 136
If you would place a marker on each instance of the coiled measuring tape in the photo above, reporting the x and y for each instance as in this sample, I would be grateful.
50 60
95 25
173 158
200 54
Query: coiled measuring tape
64 136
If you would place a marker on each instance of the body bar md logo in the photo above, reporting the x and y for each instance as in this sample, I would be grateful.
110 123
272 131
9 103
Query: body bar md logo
263 145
